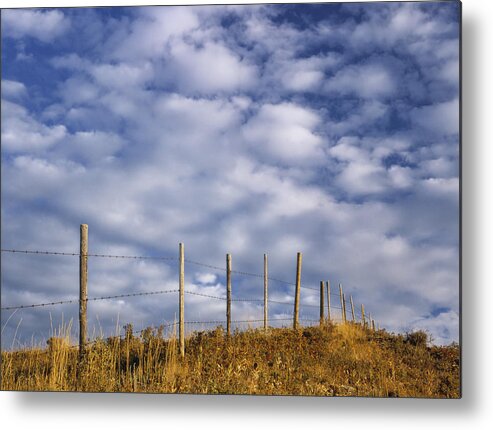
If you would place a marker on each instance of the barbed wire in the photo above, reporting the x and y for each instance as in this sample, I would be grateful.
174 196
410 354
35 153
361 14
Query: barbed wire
61 302
148 293
159 258
76 254
163 258
193 293
254 300
134 257
145 293
242 273
17 251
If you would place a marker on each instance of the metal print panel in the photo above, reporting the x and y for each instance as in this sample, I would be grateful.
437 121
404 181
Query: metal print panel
244 199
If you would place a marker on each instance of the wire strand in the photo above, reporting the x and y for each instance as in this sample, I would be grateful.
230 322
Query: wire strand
76 254
149 293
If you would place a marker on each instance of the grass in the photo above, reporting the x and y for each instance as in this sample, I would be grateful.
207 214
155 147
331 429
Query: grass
335 360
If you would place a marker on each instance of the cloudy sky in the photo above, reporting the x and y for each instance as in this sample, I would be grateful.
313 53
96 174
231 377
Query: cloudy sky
326 129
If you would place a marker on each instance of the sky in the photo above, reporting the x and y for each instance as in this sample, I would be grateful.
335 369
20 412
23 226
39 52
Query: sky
326 129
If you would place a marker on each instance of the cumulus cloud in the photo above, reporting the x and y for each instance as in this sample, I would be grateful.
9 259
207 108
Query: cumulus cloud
43 25
439 118
207 69
206 278
148 35
285 133
21 132
365 81
362 169
13 89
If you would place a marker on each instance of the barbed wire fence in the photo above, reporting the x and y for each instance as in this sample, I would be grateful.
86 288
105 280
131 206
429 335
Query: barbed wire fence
325 306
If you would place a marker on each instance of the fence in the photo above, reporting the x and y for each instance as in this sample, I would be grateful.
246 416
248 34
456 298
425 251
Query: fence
324 293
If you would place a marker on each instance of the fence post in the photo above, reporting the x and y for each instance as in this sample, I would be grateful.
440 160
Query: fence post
345 307
266 294
341 299
352 307
373 325
297 292
369 320
363 315
182 300
228 294
328 300
321 303
84 230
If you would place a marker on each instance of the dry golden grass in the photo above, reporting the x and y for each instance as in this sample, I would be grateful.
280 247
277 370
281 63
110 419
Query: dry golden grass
336 360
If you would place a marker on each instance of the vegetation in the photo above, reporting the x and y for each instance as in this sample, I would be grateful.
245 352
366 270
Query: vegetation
336 360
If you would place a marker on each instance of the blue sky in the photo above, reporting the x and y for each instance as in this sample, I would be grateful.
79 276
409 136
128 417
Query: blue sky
327 129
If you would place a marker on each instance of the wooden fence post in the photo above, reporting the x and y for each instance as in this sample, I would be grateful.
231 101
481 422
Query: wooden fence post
228 294
266 294
297 292
352 307
322 303
363 315
369 320
373 325
328 300
84 233
341 299
182 300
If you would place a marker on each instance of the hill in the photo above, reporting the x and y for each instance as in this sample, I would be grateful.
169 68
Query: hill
335 360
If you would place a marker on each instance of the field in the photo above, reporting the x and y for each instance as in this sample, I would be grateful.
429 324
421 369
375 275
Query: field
334 360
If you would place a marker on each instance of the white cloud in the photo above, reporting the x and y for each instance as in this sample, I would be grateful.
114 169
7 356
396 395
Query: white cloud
401 177
43 25
21 132
364 115
361 173
366 81
441 328
443 186
122 76
149 35
362 169
91 146
439 167
78 90
362 178
304 74
70 61
450 71
206 278
207 69
439 118
398 26
13 89
285 133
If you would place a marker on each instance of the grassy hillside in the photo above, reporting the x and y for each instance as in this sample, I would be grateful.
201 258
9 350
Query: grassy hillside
337 360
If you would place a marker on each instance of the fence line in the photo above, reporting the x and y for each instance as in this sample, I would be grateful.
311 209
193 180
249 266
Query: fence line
158 258
90 299
76 254
83 299
150 293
